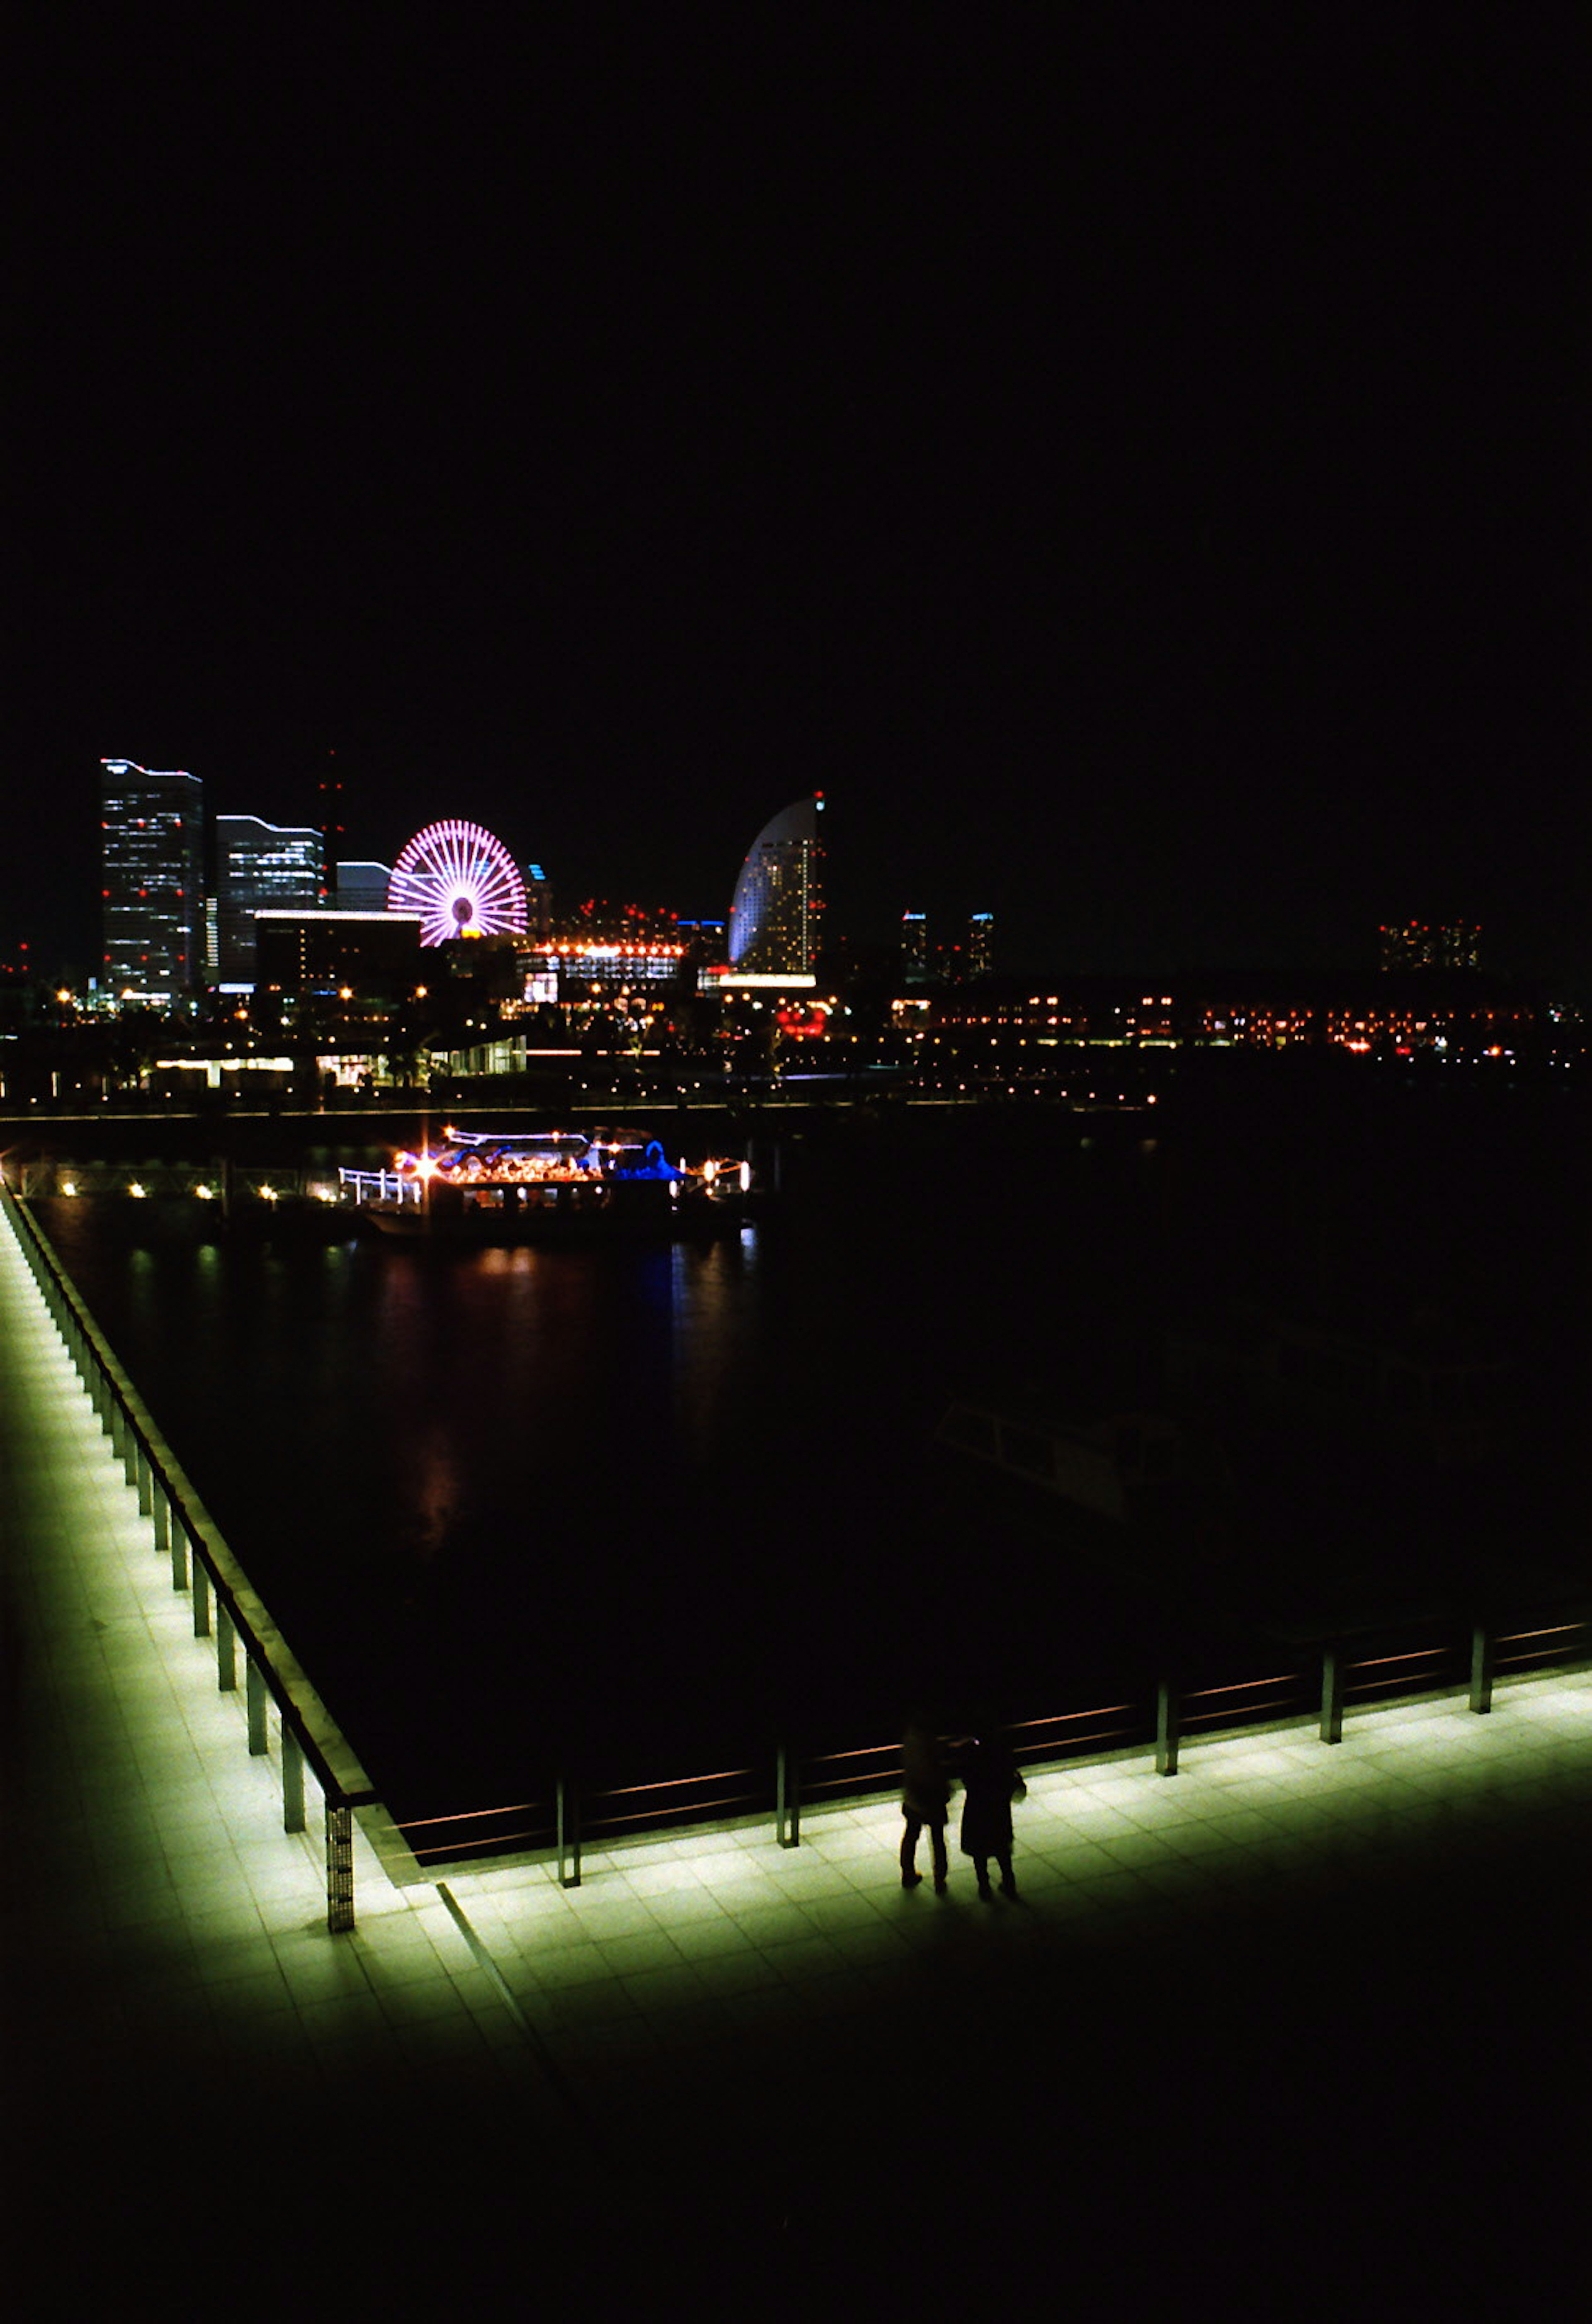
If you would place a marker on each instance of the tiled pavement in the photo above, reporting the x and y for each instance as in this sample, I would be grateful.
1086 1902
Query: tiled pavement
1303 2030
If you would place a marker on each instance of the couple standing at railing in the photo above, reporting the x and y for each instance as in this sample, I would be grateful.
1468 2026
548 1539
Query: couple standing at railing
929 1770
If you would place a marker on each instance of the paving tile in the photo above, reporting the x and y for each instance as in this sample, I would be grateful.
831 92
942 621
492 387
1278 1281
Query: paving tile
713 1974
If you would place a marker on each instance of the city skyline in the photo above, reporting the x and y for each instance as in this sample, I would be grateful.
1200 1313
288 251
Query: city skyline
1137 478
954 928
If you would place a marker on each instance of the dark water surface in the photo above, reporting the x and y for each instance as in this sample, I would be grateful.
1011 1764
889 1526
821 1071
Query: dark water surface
641 1508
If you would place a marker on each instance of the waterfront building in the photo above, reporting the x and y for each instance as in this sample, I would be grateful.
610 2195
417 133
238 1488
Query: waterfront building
1441 1016
1453 944
600 950
259 867
773 915
364 954
586 968
151 826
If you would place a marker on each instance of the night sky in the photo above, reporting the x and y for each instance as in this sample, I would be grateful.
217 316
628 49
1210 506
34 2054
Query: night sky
1133 461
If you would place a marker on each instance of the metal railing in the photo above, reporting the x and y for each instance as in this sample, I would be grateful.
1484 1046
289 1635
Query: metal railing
1155 1725
1154 1722
227 1611
380 1186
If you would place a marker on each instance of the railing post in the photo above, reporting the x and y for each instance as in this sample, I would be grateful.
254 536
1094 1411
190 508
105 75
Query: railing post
292 1781
201 1598
178 1552
226 1669
339 1868
161 1511
254 1695
567 1810
1167 1729
144 1474
1332 1667
787 1798
1481 1667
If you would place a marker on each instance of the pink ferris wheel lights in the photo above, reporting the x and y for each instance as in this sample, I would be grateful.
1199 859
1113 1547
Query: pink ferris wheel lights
461 880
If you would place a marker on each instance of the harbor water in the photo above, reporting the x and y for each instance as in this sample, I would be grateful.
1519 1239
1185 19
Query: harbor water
646 1509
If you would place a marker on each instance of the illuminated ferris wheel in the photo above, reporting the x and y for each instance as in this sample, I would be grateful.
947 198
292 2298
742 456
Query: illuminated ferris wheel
461 882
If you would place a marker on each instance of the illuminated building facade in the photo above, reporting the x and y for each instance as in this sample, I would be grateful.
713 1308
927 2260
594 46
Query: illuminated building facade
1441 1016
593 965
946 963
152 827
773 915
601 950
367 954
363 887
539 901
1453 944
259 867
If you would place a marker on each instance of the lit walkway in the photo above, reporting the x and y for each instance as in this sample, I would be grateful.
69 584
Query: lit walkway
1302 2027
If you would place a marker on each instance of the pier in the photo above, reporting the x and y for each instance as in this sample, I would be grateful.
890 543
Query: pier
1304 2029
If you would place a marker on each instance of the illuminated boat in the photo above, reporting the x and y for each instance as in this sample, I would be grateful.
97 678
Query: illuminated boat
545 1186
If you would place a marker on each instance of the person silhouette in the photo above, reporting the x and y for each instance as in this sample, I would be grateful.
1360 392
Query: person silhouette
926 1802
990 1782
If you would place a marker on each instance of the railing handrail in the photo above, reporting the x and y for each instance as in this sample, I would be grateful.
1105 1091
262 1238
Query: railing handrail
885 1774
1160 1713
336 1767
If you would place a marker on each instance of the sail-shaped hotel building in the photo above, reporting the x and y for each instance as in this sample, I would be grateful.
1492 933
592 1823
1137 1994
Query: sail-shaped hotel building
773 933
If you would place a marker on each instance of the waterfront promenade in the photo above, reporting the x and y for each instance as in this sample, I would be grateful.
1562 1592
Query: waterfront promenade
1302 2030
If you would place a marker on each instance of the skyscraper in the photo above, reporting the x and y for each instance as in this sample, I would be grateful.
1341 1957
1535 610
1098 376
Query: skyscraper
152 827
774 916
259 867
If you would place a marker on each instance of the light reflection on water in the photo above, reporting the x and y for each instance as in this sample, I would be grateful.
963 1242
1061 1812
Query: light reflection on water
659 1498
457 1482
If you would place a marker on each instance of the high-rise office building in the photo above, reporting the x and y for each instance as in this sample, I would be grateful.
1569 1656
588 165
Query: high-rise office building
915 947
539 900
774 916
361 887
980 944
259 867
152 827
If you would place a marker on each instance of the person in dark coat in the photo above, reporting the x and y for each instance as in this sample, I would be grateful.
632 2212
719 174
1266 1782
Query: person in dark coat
926 1802
990 1782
